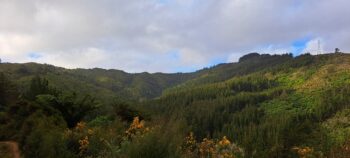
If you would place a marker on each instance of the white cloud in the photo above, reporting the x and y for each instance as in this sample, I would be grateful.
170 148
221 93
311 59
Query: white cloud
138 35
13 47
233 57
86 57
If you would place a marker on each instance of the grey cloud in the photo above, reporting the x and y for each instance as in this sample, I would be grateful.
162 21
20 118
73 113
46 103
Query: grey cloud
139 35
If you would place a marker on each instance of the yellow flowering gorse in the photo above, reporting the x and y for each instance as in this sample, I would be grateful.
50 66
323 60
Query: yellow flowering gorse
210 148
303 152
137 127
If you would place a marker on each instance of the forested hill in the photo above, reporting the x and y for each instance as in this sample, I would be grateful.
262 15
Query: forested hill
106 84
265 63
285 107
138 86
263 106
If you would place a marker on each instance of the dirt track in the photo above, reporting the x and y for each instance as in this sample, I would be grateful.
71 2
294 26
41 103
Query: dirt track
13 147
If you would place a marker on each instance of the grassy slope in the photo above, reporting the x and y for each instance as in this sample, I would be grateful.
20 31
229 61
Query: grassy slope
308 79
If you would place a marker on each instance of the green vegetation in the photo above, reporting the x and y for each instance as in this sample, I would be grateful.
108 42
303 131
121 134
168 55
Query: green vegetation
264 106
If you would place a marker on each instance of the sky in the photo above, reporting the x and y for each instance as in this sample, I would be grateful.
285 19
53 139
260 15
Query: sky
167 35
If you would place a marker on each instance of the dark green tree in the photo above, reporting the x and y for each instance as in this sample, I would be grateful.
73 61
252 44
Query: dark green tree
8 92
74 108
337 50
39 85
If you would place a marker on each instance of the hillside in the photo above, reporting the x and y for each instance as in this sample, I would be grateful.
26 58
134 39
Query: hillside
106 84
264 106
295 103
139 86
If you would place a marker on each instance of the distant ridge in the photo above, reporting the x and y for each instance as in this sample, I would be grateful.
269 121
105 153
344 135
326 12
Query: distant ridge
140 86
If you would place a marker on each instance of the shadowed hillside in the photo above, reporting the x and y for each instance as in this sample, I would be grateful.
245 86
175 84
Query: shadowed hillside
104 83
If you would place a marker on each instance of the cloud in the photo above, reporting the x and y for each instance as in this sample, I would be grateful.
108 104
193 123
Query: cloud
142 35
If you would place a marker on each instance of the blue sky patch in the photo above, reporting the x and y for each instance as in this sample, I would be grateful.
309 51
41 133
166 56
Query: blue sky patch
163 1
299 45
216 61
34 55
173 54
185 69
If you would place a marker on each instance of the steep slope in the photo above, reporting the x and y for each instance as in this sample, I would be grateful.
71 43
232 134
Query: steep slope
269 111
224 72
